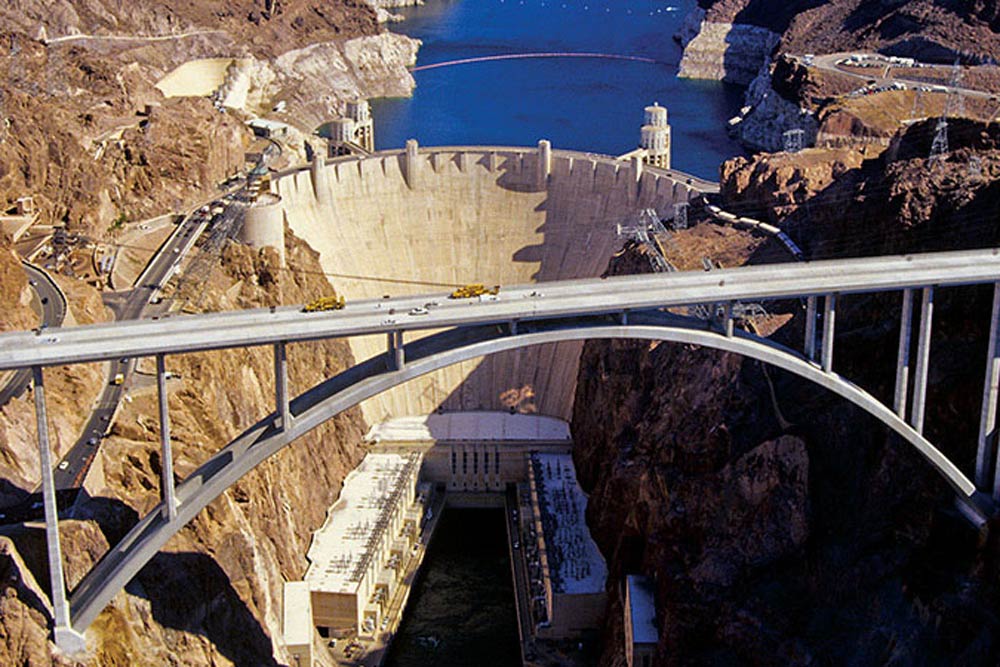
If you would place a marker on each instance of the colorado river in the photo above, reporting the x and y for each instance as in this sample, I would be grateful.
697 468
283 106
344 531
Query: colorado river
461 611
466 96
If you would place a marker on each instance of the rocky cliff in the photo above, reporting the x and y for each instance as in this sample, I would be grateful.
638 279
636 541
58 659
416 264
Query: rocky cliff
214 595
781 525
733 39
81 75
725 51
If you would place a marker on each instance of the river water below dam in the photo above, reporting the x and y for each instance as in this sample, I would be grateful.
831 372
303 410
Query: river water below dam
582 103
461 610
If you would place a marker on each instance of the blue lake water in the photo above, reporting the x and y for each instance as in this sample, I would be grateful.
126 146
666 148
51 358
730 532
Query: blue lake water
580 103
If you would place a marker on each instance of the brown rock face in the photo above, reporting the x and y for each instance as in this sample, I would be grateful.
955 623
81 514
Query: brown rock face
782 525
214 595
921 28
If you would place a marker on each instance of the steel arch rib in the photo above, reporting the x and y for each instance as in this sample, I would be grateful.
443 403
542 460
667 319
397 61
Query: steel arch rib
435 352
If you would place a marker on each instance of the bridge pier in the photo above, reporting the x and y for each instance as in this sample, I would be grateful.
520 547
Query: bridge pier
395 350
923 359
903 355
988 414
728 323
826 343
810 343
167 494
281 404
66 637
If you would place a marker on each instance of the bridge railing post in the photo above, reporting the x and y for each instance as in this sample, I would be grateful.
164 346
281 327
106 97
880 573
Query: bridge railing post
923 359
66 637
988 413
282 406
810 342
903 355
167 494
829 322
728 323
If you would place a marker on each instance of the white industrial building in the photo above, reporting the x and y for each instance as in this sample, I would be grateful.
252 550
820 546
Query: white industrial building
357 559
573 571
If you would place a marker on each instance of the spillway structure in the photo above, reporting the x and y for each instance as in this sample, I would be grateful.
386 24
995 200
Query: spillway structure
420 220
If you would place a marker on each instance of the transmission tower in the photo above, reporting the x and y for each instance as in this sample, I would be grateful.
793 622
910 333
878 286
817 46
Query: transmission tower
793 140
680 219
649 222
953 105
716 311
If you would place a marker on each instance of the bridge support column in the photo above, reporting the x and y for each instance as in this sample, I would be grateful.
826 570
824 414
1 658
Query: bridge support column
66 637
988 414
513 327
810 343
281 404
728 323
923 357
903 355
167 494
544 163
397 354
826 344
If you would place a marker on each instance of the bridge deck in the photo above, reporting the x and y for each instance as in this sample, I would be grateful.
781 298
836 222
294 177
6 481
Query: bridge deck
571 298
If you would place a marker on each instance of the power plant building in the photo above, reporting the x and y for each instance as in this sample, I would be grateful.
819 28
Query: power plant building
357 559
573 571
474 451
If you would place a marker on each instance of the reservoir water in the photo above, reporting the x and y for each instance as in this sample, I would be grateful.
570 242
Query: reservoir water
461 611
591 104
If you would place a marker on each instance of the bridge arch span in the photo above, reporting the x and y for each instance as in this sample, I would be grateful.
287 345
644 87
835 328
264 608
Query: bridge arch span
425 355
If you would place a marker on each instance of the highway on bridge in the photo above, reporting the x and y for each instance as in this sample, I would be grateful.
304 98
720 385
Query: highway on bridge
189 333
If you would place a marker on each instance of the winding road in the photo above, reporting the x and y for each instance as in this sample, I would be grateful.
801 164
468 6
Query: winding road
53 305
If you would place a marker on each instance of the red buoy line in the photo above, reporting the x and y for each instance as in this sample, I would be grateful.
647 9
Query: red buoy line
519 56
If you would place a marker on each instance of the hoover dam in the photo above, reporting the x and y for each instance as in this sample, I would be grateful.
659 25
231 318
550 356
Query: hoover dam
423 219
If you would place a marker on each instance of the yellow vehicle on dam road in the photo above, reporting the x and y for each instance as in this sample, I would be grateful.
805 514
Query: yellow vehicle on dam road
473 290
324 303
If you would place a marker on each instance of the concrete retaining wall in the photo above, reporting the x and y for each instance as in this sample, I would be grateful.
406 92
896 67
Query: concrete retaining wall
426 220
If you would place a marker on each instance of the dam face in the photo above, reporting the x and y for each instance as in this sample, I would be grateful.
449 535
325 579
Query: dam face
425 221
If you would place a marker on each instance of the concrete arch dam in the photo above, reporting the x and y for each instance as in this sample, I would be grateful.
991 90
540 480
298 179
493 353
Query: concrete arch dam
413 221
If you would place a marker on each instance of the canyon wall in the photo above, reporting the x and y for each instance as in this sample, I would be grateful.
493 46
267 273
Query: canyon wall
781 525
727 52
213 596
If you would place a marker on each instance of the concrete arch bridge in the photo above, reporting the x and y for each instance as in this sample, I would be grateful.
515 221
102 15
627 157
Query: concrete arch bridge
619 307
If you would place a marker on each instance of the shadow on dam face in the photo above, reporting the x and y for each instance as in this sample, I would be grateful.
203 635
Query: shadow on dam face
392 224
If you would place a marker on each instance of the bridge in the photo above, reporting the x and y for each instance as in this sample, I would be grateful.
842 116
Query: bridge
454 330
